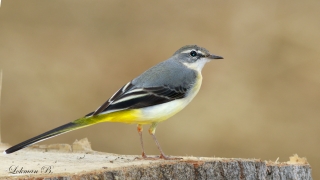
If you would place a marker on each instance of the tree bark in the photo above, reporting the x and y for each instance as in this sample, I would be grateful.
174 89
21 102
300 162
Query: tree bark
80 162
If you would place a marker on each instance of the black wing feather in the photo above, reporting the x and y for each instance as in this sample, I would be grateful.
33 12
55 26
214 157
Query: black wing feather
119 93
141 98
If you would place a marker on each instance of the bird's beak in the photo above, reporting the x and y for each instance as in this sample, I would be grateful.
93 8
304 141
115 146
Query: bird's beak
212 56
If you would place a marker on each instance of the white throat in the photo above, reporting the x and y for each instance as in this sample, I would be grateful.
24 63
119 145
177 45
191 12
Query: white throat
198 65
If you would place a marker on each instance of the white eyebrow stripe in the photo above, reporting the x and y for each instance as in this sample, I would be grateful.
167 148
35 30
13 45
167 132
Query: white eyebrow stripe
188 51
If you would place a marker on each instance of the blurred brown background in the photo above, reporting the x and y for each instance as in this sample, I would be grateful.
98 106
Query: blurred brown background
63 59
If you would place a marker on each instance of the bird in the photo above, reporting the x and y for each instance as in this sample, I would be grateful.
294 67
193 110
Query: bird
154 96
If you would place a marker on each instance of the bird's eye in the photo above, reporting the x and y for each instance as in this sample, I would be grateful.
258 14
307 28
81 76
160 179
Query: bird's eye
193 53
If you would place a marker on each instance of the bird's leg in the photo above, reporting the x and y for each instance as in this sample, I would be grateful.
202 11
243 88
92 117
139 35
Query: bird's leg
140 129
152 131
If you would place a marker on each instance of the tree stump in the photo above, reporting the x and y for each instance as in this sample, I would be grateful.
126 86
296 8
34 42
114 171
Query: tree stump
78 161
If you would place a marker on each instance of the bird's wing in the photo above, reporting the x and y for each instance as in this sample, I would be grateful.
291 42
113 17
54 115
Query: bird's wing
131 97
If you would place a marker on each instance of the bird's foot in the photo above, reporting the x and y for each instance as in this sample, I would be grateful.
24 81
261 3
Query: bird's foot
145 157
163 156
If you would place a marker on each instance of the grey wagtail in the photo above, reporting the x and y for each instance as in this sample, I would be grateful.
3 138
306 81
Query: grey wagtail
154 96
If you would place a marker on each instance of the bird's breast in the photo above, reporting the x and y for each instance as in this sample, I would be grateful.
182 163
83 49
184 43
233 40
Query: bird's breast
164 111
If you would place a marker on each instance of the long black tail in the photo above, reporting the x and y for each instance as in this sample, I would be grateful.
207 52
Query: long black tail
54 132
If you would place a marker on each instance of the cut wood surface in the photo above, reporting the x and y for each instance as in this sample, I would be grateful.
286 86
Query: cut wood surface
78 161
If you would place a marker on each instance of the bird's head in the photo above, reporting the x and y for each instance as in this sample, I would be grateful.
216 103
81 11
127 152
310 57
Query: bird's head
194 57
